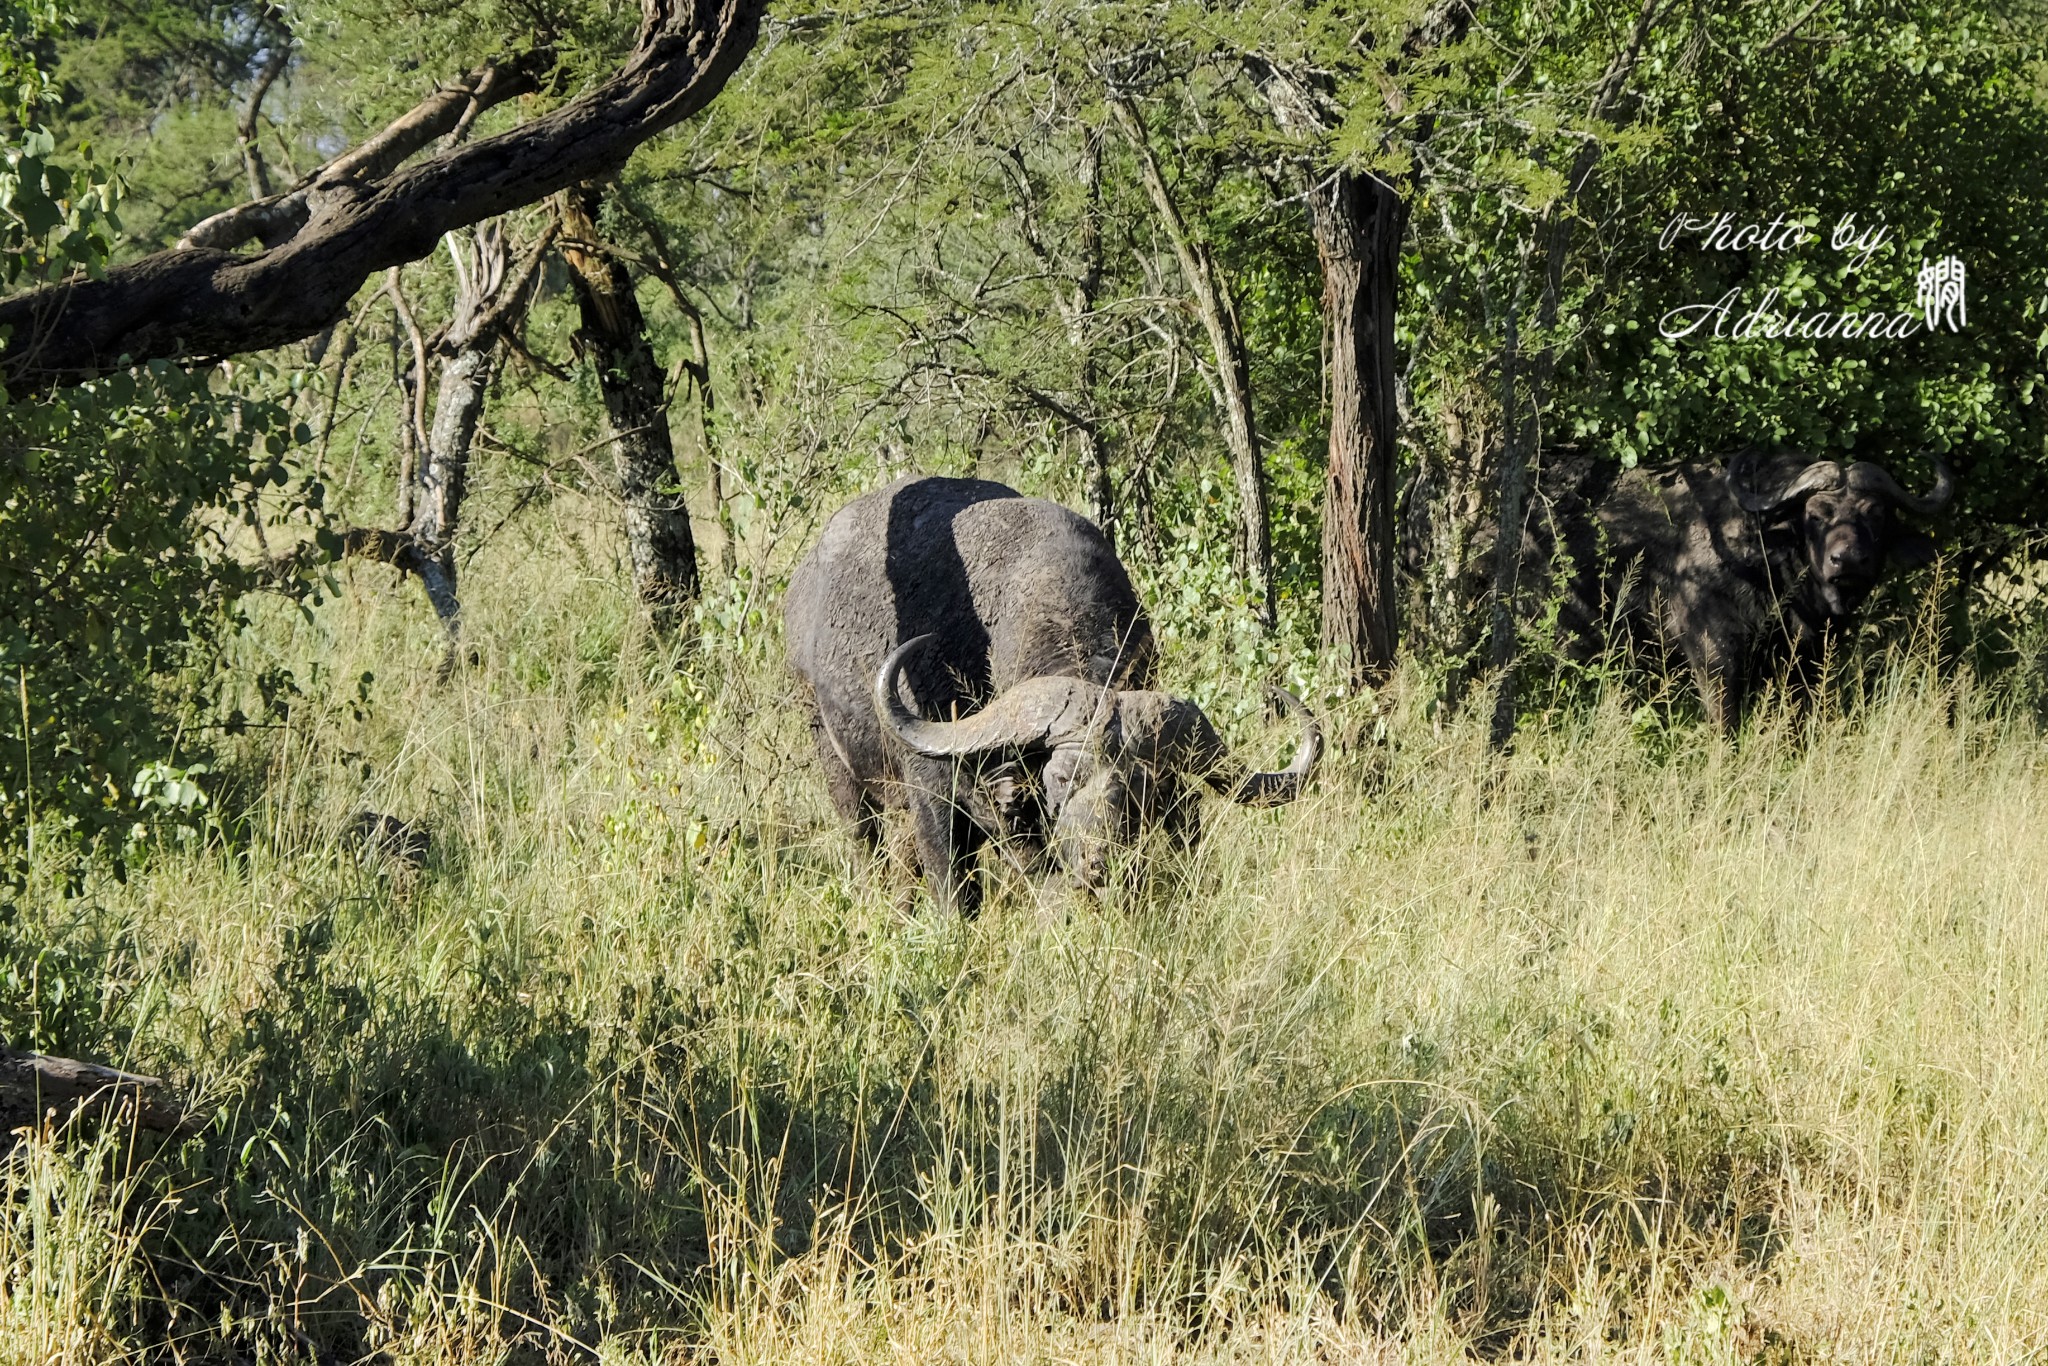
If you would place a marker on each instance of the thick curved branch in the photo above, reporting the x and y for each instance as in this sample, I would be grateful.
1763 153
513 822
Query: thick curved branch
204 303
450 110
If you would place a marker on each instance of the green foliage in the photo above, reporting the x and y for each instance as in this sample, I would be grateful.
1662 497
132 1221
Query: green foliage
118 505
883 224
54 218
24 25
1925 121
1539 1055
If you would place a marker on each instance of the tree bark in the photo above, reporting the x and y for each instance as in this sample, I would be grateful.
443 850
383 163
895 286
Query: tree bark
1358 223
1218 309
698 369
433 476
1080 310
488 299
450 110
205 303
443 480
614 337
34 1083
412 426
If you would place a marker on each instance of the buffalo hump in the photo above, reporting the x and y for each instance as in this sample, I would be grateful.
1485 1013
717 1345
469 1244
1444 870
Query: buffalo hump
1009 587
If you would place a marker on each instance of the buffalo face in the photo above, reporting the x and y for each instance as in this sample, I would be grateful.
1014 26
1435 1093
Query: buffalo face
1843 519
1110 764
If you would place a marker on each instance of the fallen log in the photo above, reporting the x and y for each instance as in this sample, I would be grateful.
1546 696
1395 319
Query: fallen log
33 1084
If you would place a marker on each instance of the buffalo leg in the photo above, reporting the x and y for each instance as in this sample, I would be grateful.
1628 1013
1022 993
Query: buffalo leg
1721 690
850 799
947 839
1718 668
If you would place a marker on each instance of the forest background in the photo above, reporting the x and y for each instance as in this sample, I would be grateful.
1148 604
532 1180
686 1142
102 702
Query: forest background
1303 305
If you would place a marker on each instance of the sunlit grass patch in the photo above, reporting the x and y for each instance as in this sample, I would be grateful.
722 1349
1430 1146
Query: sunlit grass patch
1652 1046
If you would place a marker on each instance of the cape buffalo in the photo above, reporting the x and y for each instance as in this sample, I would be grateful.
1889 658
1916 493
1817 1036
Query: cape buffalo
980 657
1746 571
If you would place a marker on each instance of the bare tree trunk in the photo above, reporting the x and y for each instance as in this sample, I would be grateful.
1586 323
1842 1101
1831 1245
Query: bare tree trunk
707 418
1358 224
1253 541
444 479
614 337
430 495
698 368
1080 310
412 427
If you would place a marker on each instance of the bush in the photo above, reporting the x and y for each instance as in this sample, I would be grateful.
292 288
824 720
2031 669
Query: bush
118 500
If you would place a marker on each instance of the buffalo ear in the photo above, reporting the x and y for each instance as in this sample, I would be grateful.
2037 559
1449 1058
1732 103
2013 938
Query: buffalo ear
1912 550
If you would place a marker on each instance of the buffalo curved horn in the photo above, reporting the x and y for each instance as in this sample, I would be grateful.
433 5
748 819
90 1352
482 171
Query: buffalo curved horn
1034 711
1821 474
1227 775
1878 479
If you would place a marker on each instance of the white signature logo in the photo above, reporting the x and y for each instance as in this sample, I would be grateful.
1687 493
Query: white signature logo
1941 293
1940 299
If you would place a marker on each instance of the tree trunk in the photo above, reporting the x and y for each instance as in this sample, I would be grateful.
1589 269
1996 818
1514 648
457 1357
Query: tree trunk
1358 224
34 1084
1253 542
434 470
614 336
707 425
412 425
1080 312
444 479
698 368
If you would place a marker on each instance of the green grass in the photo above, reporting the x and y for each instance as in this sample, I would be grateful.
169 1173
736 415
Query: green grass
1629 1047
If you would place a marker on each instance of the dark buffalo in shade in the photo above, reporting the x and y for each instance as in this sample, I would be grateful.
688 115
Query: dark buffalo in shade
1747 570
981 658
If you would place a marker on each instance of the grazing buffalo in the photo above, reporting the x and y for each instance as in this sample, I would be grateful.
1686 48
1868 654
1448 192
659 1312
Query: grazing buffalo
1747 571
981 658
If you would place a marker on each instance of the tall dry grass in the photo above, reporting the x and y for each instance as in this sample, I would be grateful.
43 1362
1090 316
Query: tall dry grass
1637 1045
